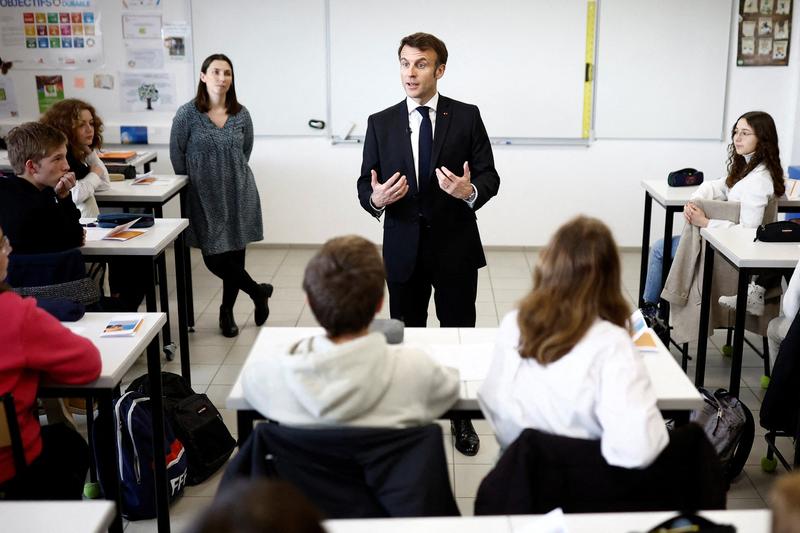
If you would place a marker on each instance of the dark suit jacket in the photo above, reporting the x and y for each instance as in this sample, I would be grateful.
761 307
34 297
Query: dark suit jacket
459 136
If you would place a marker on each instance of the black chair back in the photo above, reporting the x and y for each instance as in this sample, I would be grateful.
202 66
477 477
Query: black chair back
354 472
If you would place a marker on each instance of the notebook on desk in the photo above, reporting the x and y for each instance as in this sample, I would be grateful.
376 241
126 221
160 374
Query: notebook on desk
117 157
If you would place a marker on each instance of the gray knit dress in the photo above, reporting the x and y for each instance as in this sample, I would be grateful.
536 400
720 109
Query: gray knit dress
223 203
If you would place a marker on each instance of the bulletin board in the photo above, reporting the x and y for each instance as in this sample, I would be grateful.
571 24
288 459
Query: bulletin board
140 58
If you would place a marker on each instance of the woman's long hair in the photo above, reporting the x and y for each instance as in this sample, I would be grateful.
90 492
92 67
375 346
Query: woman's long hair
577 279
202 102
65 116
766 152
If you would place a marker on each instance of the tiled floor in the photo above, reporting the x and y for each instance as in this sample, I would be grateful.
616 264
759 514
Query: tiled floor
216 361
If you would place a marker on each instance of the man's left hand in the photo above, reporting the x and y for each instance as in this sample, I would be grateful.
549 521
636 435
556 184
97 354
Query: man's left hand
456 186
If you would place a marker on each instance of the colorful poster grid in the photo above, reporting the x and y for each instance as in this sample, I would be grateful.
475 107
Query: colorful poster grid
59 29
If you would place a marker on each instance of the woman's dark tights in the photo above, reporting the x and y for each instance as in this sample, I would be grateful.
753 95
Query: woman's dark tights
229 266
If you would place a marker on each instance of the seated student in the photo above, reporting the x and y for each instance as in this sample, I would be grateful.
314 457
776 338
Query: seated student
348 376
779 326
36 208
784 500
79 122
259 506
754 177
564 362
34 345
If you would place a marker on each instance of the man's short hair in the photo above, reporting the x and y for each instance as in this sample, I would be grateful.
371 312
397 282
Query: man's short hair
34 141
425 41
344 284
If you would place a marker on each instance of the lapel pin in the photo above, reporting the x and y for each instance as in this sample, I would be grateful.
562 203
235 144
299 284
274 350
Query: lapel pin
444 113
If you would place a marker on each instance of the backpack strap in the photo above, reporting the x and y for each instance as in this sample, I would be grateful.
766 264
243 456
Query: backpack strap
744 445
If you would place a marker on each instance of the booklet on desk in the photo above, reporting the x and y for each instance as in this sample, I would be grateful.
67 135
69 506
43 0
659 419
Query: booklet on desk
123 326
144 179
123 232
643 337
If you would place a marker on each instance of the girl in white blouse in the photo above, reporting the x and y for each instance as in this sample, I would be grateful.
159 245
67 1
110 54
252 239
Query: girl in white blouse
564 362
754 176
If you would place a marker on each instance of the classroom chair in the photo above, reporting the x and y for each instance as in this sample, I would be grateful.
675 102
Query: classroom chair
540 472
353 472
780 409
10 436
57 276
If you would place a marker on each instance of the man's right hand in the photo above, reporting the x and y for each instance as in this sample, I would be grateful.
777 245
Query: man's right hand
389 192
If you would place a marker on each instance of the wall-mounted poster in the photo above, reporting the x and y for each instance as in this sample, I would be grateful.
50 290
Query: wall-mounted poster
49 89
51 35
765 29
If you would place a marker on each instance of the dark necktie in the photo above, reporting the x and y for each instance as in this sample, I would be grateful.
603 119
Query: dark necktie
425 147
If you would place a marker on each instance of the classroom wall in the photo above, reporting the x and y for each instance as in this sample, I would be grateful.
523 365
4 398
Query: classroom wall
308 194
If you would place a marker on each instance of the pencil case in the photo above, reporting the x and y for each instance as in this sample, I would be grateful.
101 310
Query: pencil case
112 220
685 177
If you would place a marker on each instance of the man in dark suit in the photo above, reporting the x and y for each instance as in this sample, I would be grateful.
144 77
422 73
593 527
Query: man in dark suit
428 165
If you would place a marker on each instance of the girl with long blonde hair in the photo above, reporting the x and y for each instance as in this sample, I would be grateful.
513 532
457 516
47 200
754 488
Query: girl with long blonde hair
564 362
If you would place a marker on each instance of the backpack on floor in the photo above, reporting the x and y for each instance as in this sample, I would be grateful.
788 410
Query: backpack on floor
132 418
197 424
729 425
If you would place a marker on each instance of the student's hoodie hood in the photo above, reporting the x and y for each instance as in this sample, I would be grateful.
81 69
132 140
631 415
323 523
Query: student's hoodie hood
338 382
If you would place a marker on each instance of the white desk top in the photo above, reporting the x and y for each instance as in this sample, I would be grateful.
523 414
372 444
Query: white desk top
152 242
666 195
736 244
750 521
470 350
91 516
159 191
118 353
678 196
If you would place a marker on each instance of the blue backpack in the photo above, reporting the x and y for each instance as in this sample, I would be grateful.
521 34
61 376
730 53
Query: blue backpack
134 444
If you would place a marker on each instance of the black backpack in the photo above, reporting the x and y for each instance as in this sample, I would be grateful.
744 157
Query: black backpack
197 424
730 427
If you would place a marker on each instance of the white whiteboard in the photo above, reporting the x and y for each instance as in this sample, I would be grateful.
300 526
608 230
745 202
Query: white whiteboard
662 68
522 62
278 52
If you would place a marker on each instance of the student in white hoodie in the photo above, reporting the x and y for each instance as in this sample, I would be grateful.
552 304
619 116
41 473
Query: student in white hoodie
348 376
564 362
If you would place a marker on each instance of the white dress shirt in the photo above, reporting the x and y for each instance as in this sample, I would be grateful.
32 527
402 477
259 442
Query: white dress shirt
414 123
753 192
598 390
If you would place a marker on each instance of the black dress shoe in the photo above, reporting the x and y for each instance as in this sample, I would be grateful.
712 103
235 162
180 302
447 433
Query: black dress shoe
226 322
467 441
262 303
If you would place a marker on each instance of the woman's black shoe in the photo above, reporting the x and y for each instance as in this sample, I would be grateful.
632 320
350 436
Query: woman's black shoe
262 303
226 323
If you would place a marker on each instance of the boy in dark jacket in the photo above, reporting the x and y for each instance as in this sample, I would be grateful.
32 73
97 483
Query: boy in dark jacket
36 208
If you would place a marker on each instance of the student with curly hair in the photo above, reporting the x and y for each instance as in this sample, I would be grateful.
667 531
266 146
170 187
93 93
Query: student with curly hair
78 120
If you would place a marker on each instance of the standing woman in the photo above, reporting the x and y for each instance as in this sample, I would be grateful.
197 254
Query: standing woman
211 141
